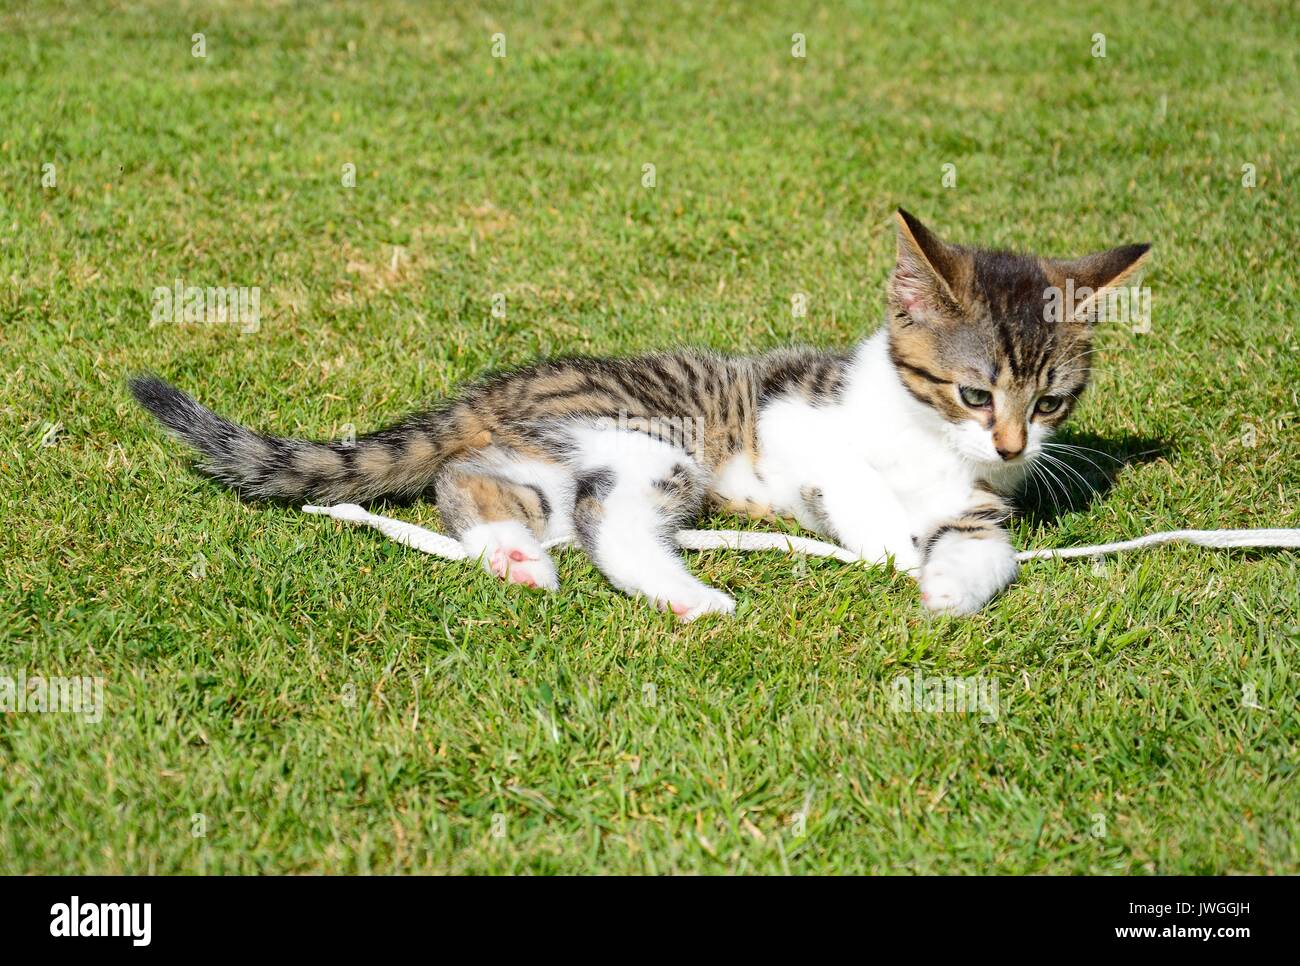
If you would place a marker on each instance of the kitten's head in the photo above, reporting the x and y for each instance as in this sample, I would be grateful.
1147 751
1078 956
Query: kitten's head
998 344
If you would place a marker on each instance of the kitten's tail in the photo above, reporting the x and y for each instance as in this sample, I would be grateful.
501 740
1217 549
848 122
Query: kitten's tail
401 460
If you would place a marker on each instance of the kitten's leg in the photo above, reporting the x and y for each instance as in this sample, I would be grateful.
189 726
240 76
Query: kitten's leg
626 508
858 511
967 558
499 522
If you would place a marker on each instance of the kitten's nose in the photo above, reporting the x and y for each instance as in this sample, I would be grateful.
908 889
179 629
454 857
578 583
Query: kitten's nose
1009 440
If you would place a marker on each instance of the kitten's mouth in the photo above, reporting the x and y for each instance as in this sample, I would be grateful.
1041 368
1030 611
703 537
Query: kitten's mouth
1018 461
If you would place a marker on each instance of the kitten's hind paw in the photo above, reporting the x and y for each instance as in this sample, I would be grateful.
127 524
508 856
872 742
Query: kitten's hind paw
515 566
509 551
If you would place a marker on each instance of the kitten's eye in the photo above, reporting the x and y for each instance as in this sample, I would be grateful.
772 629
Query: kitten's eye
975 398
1048 404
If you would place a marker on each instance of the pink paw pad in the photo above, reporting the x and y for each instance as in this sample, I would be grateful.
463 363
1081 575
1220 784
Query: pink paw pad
517 566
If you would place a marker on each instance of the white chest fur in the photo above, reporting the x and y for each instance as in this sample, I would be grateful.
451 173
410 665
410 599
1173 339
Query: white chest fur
875 441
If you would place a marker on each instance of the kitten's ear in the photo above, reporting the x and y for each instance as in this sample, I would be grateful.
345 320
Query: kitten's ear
1100 272
925 274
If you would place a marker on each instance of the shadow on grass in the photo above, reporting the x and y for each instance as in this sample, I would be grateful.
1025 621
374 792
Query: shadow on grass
1091 466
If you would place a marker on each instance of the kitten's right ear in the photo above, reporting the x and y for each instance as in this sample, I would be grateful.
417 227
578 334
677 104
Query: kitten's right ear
922 282
1097 274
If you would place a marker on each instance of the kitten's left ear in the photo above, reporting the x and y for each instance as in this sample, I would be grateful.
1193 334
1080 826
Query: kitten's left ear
1100 272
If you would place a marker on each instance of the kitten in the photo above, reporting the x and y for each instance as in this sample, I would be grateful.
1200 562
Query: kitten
905 447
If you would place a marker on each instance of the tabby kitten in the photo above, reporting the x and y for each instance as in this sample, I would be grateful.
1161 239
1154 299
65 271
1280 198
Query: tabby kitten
905 447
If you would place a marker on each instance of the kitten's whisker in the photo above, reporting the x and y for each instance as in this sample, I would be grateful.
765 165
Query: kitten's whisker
1070 469
1054 484
1062 481
1033 478
1077 355
1076 451
1038 491
1055 481
1088 369
1075 447
1073 469
1086 459
1095 467
1040 468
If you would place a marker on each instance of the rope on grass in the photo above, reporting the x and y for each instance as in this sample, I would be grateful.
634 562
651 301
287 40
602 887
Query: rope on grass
440 545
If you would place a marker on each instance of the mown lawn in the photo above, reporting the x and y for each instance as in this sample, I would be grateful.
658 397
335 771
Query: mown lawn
284 694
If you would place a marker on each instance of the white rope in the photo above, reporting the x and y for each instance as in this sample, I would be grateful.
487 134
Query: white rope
1201 538
418 538
427 541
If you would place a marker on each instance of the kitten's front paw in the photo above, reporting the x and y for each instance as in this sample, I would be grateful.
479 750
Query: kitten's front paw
714 602
963 574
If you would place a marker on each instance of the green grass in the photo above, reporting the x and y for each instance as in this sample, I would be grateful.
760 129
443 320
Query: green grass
329 701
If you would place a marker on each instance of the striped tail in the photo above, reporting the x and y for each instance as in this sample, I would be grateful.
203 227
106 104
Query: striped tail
401 460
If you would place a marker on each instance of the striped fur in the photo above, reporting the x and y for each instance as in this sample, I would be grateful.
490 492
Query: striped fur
517 410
